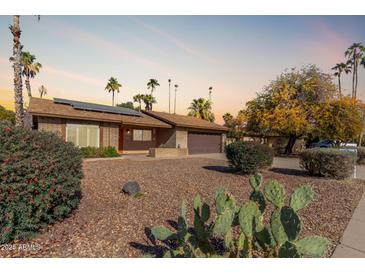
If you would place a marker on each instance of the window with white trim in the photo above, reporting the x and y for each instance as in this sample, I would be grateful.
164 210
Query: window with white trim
142 135
83 135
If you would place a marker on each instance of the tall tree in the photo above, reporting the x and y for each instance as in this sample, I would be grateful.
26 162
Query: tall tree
148 100
138 98
339 69
16 59
339 119
30 69
113 86
288 105
355 53
176 86
202 109
152 84
169 95
127 104
42 91
228 119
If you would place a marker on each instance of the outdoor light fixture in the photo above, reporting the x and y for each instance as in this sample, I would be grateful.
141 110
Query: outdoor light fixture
128 131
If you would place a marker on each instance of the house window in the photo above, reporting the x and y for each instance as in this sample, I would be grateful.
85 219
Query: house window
142 135
83 135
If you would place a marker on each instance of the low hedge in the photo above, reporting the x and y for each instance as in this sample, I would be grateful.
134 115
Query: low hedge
98 152
39 180
361 155
249 157
328 162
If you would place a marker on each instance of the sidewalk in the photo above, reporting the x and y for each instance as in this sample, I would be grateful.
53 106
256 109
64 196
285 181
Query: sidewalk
352 243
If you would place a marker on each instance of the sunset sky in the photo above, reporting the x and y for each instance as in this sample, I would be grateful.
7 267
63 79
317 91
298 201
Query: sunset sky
236 55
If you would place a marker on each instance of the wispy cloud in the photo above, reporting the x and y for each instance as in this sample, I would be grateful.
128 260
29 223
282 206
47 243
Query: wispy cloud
116 50
72 75
51 70
330 44
173 39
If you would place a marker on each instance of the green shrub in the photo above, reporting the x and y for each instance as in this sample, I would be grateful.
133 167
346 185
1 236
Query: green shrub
361 155
101 152
240 230
249 157
39 180
328 162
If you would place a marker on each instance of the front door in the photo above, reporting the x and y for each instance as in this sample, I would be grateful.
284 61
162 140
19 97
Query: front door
121 135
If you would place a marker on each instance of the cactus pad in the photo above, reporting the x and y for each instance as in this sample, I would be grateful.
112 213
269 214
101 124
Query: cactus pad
275 193
259 198
250 218
301 197
288 250
256 181
313 246
162 233
223 223
277 228
290 222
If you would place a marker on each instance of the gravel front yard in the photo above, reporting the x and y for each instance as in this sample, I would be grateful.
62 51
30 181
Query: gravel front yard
110 224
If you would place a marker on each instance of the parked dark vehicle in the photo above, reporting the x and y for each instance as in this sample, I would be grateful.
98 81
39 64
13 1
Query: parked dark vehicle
324 144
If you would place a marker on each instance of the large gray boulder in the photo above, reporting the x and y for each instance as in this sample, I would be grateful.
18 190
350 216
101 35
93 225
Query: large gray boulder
131 188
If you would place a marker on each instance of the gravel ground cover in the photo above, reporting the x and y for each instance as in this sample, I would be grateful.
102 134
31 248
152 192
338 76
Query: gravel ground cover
111 224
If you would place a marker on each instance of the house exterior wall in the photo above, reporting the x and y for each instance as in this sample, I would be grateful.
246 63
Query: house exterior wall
181 138
130 145
172 138
55 125
109 134
166 137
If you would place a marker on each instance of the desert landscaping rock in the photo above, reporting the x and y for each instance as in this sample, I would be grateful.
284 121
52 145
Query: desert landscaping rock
108 224
131 188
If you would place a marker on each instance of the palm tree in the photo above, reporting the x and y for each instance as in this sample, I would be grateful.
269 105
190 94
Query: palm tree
176 86
152 84
202 109
228 119
113 86
42 91
30 69
16 59
138 98
210 93
354 54
148 100
339 68
169 95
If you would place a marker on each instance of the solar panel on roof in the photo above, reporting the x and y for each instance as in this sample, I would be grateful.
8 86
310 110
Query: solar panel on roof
97 107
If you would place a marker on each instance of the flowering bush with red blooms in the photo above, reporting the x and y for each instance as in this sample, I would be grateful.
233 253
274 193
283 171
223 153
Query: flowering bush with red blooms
39 181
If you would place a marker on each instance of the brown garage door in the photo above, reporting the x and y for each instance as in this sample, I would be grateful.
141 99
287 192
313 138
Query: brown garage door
199 142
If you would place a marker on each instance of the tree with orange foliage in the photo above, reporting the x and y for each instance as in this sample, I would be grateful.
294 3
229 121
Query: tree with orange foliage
288 105
340 120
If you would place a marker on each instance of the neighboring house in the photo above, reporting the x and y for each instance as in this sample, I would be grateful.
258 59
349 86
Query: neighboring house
127 130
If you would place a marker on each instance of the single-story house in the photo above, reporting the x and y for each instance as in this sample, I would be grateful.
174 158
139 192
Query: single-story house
127 130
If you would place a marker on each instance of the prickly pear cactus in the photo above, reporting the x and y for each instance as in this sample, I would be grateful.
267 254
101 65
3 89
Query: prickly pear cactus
312 246
275 193
290 222
250 218
223 223
224 200
256 181
301 197
277 228
242 229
